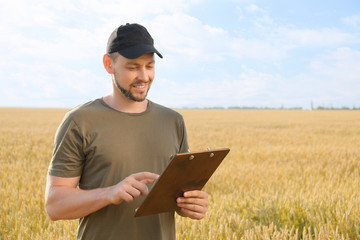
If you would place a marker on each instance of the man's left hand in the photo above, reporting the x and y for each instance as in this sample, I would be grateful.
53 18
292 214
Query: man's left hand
193 204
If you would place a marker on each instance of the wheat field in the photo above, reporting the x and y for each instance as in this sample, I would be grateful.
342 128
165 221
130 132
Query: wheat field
289 174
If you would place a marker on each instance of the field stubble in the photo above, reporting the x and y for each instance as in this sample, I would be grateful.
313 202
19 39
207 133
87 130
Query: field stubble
289 174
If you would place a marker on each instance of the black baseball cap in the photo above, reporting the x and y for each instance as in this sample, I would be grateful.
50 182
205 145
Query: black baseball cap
131 41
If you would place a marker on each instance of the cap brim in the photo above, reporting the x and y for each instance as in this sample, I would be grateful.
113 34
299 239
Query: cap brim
138 50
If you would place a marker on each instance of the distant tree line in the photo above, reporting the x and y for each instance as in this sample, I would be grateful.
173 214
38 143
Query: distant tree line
276 108
336 108
267 108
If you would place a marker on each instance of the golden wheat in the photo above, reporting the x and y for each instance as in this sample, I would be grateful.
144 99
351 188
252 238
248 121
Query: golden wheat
289 174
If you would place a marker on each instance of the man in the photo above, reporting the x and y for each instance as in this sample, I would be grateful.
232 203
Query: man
106 151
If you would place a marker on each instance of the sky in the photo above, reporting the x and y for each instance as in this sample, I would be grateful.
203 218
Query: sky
217 53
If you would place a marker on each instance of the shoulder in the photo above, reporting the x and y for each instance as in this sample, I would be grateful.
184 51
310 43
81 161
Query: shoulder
85 110
164 111
80 117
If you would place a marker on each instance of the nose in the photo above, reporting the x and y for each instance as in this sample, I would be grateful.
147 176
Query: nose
143 74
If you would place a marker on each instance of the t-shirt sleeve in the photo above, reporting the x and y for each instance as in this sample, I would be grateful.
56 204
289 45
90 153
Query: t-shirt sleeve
184 146
68 156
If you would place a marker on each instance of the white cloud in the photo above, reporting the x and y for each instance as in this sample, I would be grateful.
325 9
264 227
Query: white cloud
342 65
315 38
44 29
22 13
240 90
258 16
42 83
276 43
330 81
333 79
183 35
352 20
253 8
257 48
127 9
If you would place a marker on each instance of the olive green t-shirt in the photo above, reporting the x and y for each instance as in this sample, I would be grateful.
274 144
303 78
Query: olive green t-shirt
104 146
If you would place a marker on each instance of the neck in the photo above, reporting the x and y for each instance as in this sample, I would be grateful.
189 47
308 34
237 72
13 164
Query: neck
123 104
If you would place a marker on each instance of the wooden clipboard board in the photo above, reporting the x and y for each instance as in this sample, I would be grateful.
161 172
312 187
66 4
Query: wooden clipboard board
185 172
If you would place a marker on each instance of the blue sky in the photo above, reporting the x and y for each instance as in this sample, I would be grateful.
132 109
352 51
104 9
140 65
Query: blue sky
216 53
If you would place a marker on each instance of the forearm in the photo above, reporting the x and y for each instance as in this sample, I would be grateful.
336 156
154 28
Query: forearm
63 200
70 203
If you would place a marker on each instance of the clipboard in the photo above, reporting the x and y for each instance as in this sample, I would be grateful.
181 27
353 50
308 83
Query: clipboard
185 172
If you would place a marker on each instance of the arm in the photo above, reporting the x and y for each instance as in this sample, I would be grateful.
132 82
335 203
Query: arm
193 205
63 200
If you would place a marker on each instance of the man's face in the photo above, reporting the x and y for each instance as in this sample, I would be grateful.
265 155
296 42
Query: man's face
133 77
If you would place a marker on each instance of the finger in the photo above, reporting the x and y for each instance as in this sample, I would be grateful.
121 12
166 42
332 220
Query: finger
196 194
194 197
191 214
134 186
145 177
127 197
133 192
192 207
128 193
147 181
195 201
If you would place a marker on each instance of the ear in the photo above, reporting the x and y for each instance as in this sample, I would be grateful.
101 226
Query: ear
107 63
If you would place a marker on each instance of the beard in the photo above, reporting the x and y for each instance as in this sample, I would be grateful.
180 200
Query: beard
128 94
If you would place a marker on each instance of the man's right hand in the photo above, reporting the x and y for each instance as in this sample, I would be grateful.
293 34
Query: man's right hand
64 200
131 187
